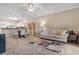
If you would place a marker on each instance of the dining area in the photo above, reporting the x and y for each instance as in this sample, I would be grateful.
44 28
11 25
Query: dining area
15 32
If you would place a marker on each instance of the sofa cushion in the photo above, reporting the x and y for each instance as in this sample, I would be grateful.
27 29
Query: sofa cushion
54 32
58 32
63 32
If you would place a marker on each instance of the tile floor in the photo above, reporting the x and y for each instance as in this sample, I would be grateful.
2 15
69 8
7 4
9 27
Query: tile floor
16 46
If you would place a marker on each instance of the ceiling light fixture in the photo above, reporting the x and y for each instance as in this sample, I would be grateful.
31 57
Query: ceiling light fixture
30 7
13 18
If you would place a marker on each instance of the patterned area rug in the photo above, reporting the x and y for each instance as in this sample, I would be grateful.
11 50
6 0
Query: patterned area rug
53 46
45 44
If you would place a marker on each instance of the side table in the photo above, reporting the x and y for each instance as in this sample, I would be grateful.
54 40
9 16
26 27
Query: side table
77 38
72 38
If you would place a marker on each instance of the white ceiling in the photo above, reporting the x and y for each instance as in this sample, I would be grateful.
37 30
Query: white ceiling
19 10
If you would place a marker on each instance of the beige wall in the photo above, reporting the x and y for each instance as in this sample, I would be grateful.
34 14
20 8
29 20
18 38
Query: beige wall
66 19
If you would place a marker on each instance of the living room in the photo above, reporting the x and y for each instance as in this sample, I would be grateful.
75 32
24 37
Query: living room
39 29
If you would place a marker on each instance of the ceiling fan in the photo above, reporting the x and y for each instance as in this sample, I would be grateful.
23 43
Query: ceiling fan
32 7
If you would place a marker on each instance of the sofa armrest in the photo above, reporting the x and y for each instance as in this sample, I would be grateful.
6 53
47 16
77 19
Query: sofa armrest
66 35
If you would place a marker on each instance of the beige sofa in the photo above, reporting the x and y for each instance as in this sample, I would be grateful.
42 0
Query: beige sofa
55 34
